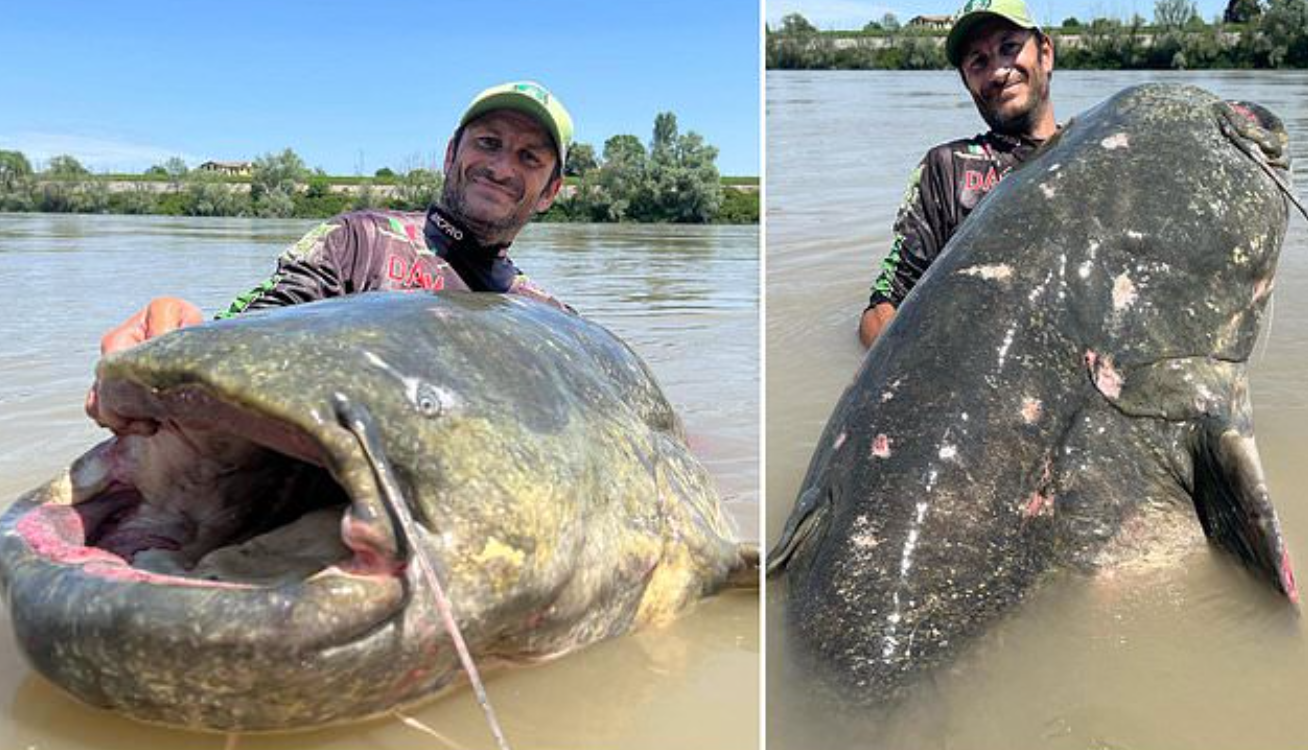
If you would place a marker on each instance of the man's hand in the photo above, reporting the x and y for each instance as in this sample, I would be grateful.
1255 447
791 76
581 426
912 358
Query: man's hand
874 321
162 315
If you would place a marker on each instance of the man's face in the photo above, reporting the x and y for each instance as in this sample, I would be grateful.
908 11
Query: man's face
499 173
1007 70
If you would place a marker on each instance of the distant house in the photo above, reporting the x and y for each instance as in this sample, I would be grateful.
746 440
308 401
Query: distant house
228 167
931 22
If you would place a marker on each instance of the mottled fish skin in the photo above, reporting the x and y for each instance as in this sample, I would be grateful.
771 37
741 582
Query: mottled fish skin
548 475
1073 362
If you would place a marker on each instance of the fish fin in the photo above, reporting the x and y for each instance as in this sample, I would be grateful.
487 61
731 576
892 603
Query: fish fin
809 516
1234 507
745 575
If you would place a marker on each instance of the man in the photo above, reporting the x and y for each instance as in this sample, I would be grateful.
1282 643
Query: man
503 164
1006 63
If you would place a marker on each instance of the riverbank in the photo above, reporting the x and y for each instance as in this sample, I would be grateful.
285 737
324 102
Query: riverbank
199 194
1270 42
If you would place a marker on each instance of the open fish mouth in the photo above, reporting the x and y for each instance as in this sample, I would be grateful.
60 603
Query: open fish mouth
221 495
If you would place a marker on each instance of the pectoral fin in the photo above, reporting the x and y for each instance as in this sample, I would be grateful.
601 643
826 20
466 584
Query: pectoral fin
1231 498
806 521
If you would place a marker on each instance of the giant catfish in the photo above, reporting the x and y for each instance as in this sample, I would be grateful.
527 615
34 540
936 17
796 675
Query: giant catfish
1070 371
246 567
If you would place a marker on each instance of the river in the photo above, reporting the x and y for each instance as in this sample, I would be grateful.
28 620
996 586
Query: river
685 298
1190 656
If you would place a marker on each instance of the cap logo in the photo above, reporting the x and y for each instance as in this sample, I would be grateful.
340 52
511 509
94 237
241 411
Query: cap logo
975 5
538 93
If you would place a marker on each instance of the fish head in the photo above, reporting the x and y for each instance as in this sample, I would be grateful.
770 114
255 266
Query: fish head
164 573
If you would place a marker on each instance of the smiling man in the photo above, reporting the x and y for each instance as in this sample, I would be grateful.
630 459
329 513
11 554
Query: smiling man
1006 63
503 165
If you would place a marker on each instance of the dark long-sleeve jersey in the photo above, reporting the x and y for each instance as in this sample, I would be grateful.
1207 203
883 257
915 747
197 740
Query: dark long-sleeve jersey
371 250
946 186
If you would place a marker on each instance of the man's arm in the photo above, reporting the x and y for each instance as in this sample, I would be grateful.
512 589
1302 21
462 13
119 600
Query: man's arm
922 227
307 271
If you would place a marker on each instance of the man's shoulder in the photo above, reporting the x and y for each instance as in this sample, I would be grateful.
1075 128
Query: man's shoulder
380 217
960 148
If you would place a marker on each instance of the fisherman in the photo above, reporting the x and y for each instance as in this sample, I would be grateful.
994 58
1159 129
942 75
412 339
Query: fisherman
503 164
1006 63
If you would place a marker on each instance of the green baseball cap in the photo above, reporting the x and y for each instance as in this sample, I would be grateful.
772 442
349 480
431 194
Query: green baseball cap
978 11
531 99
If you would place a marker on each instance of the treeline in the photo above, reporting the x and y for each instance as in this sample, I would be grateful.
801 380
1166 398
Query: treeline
1250 34
279 186
674 180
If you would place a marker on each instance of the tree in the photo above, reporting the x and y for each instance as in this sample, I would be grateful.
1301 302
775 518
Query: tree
65 166
890 22
385 173
418 188
207 194
682 183
1071 22
795 24
156 171
176 168
873 26
1284 28
1242 11
15 169
273 183
581 159
1174 14
610 192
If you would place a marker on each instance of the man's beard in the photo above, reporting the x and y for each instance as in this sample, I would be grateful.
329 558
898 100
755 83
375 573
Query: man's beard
487 231
1024 120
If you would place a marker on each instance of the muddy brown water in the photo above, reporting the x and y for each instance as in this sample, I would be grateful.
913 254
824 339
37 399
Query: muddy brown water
1190 652
685 298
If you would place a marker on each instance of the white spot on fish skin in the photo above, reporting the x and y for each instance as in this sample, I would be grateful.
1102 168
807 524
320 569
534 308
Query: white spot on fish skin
1049 190
1055 167
890 392
1124 293
881 447
1134 234
1262 289
1032 410
1084 270
1114 142
1038 290
840 440
905 564
1239 257
996 272
1008 341
863 538
948 451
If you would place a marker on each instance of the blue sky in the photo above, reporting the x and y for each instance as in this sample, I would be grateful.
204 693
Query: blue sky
847 14
123 85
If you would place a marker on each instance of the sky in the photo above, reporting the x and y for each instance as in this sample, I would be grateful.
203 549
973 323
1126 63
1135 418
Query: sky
854 14
355 86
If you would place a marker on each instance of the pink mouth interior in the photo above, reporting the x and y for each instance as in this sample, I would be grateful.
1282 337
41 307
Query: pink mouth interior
209 500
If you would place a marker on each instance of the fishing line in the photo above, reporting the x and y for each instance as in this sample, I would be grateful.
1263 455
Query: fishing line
359 422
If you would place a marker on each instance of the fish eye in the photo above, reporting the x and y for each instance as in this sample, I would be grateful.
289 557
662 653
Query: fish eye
428 401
